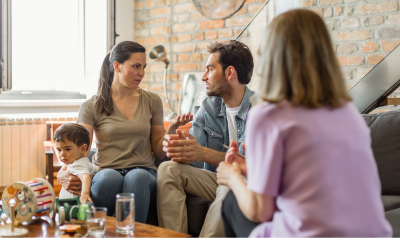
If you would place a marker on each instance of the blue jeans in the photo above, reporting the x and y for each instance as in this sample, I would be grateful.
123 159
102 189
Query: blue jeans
142 182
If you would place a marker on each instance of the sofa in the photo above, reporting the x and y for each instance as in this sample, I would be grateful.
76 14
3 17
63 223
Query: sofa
385 134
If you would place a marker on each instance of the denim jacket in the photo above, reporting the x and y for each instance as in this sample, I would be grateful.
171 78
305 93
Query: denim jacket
210 125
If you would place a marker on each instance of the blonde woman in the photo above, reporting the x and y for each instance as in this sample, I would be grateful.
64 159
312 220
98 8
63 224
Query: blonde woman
309 164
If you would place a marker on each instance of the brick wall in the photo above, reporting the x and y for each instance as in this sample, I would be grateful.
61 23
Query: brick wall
363 33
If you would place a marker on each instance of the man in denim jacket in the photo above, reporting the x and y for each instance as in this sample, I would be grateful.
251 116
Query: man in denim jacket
220 119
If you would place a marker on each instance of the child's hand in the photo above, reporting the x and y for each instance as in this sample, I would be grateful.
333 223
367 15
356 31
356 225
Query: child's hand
85 197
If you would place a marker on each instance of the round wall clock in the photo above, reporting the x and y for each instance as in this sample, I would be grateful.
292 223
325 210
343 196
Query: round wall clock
218 9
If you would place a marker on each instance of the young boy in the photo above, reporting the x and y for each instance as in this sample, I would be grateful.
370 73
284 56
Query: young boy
72 141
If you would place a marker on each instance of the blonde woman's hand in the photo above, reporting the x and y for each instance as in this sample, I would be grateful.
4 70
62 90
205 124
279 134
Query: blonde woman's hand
227 173
231 157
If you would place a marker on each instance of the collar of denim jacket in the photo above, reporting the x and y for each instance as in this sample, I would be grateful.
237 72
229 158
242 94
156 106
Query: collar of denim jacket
244 106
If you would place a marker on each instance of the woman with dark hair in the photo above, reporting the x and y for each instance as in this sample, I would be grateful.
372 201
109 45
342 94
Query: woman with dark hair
129 128
309 163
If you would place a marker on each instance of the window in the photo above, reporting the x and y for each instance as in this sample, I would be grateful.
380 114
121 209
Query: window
55 46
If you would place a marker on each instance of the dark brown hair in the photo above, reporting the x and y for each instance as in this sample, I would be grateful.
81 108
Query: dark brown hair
236 54
73 132
120 53
297 63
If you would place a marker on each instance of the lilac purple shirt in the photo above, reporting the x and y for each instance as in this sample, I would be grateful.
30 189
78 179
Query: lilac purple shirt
320 167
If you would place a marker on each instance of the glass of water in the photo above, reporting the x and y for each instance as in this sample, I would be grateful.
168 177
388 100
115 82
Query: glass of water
96 221
125 213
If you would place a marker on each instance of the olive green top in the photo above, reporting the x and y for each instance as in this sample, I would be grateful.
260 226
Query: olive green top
124 143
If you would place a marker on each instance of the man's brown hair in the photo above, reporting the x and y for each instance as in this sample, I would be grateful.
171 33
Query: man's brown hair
73 132
297 63
236 54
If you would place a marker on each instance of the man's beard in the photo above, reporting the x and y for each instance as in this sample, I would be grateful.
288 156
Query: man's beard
221 88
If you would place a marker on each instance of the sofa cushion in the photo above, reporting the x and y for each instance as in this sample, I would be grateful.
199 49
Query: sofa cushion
390 202
394 219
197 208
385 134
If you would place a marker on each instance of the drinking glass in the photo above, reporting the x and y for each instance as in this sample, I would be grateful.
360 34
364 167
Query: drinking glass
96 221
125 213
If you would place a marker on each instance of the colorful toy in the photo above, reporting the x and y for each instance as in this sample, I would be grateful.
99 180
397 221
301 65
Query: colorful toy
23 200
72 210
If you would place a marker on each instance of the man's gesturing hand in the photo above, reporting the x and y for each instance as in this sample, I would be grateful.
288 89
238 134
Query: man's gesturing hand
182 147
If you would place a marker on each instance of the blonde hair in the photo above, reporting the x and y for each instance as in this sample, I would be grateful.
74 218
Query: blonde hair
297 63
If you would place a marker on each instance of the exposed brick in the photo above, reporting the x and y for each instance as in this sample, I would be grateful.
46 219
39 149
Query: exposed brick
211 35
184 38
184 27
182 18
183 57
195 57
330 2
346 48
160 2
328 12
388 33
377 8
177 86
374 59
160 30
348 11
369 47
160 11
393 19
149 22
388 46
187 7
254 8
348 73
142 13
352 36
185 67
248 2
163 20
337 11
144 86
369 22
139 40
202 46
138 5
184 47
350 84
156 87
306 3
351 22
236 22
142 32
353 1
317 11
149 41
350 60
361 72
332 24
241 11
225 33
211 24
149 3
139 24
196 16
156 67
198 36
160 40
165 106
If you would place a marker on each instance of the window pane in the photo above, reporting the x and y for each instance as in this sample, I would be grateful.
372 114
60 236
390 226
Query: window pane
45 45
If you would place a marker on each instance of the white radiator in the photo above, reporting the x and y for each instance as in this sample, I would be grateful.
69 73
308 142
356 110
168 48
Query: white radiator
22 155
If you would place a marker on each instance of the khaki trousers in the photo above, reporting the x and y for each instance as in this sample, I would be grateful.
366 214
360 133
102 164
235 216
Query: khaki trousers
175 180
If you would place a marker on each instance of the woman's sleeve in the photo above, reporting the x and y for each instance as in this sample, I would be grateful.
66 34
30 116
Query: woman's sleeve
264 153
87 113
157 111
